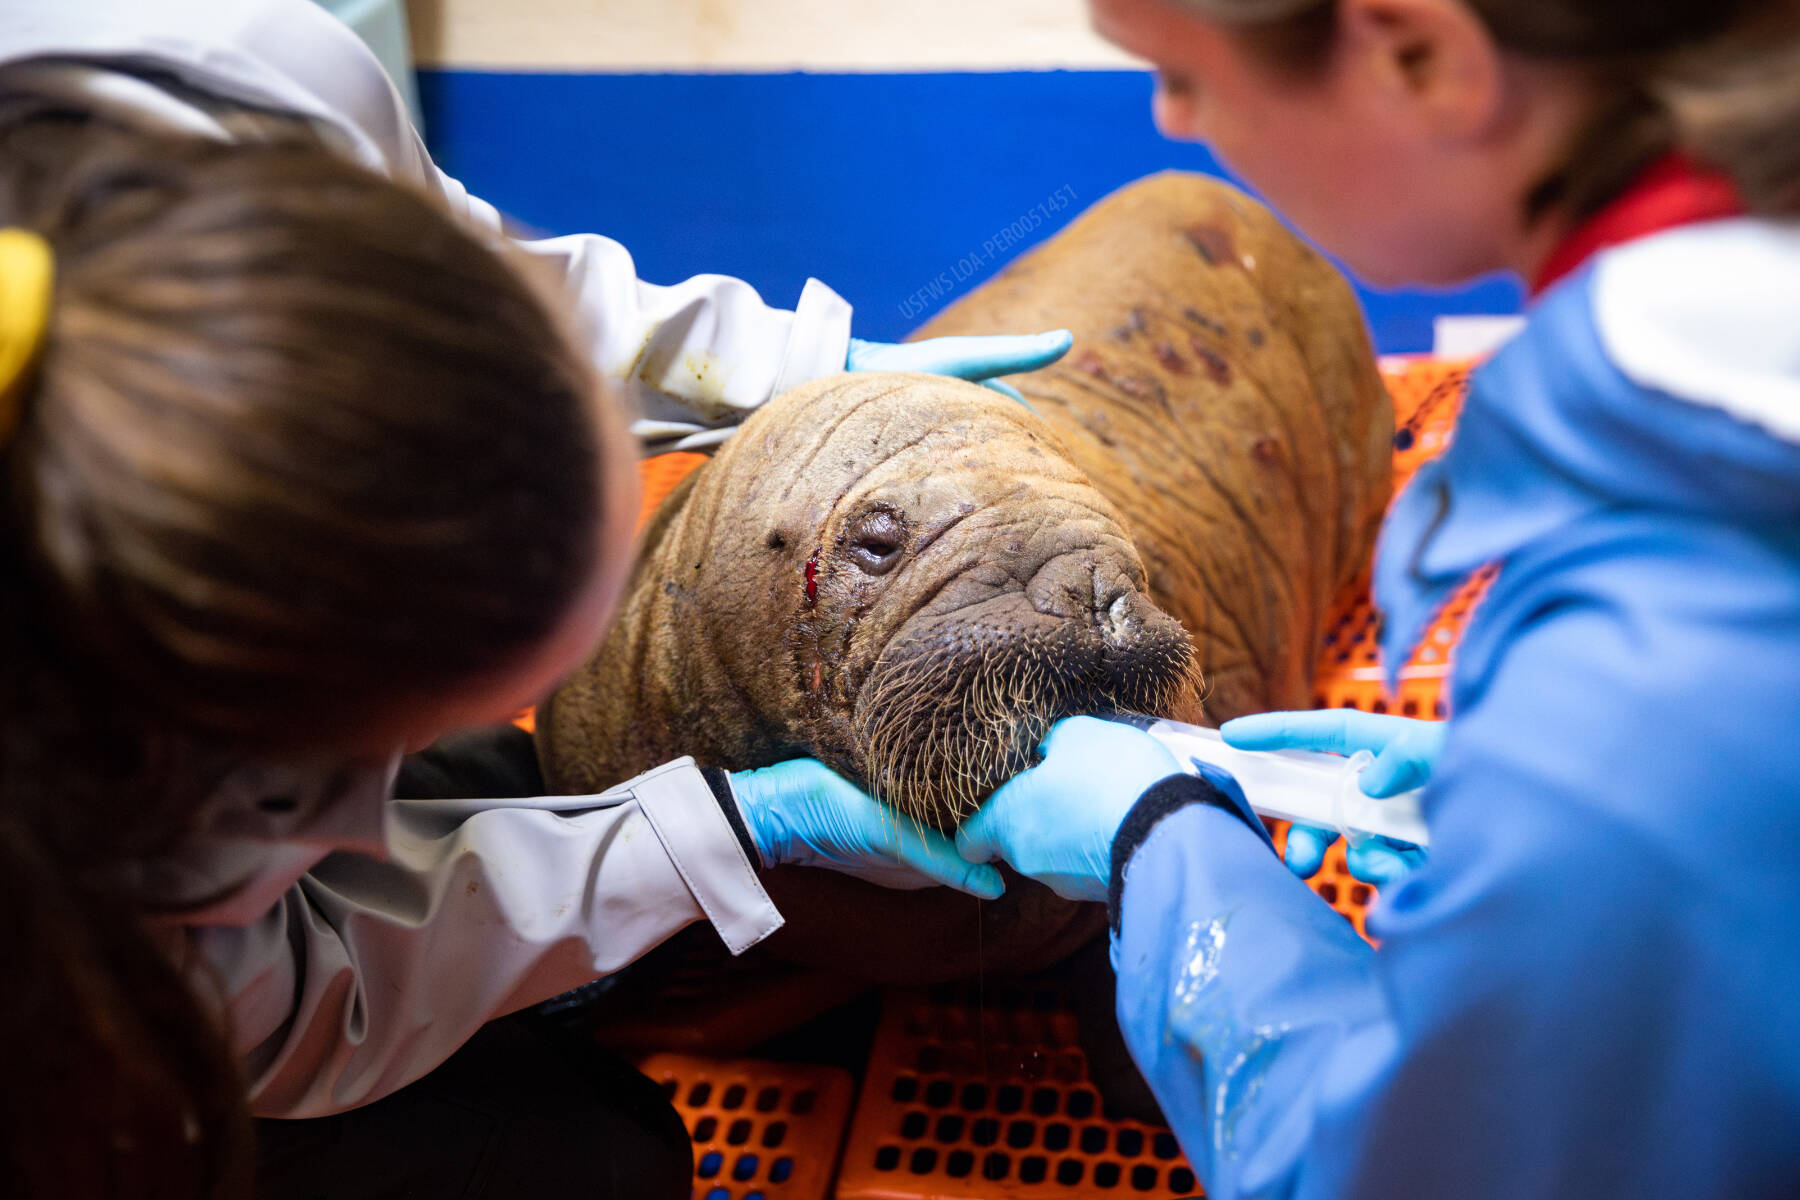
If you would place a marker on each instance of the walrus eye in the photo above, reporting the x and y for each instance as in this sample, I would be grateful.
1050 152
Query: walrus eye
876 541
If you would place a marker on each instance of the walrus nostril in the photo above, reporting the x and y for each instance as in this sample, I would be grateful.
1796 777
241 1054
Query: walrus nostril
1110 587
1079 585
1117 624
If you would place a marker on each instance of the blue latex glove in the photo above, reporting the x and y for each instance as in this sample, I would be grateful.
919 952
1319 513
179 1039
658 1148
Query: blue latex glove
977 359
1404 751
802 813
1055 823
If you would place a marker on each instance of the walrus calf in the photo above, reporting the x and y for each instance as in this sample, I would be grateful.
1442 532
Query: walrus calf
911 578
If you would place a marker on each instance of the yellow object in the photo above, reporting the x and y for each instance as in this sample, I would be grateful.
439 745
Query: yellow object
27 282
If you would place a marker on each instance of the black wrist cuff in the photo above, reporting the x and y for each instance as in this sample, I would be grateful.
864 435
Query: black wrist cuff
720 783
1165 797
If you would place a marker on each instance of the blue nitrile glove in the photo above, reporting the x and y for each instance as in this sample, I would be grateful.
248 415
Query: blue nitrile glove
1404 750
977 359
802 813
1056 822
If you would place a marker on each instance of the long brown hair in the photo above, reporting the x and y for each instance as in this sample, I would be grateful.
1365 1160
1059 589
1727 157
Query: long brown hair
299 449
1718 80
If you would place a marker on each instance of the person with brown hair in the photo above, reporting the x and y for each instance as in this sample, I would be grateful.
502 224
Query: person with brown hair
1591 986
303 462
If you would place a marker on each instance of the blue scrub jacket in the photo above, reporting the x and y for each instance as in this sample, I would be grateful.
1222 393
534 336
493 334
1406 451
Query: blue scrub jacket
1592 987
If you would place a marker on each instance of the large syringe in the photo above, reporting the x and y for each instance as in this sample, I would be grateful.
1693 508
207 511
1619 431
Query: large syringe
1296 785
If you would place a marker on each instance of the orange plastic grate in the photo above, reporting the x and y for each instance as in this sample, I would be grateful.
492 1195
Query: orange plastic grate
761 1130
1427 397
964 1098
660 474
1350 896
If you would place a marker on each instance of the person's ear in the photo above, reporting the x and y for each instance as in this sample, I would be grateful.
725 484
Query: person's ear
1432 60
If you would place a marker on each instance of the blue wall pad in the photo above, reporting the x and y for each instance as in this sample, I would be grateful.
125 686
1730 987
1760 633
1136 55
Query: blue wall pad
902 191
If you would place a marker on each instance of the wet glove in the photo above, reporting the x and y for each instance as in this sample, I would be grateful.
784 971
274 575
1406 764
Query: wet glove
977 359
1056 822
1404 750
802 813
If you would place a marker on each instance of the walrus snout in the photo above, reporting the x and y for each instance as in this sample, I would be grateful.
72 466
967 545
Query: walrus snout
960 700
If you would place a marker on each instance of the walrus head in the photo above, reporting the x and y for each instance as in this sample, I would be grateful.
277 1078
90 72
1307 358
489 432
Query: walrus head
902 575
964 586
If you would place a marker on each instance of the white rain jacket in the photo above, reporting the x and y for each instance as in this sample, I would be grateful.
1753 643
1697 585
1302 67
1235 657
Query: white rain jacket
358 941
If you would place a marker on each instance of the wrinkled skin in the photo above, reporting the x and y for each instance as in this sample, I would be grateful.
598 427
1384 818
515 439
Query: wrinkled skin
1211 460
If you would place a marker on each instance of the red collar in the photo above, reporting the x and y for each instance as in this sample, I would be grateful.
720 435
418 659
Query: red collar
1669 192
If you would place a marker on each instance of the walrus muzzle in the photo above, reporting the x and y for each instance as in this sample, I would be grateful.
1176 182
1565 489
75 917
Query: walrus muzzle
960 699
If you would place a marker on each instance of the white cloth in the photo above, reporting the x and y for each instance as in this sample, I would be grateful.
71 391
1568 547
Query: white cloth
695 358
357 943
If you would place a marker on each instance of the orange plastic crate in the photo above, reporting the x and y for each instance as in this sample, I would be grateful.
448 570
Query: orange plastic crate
970 1097
761 1130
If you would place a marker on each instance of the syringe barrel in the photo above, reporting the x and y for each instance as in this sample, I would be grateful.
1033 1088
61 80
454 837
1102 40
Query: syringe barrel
1296 785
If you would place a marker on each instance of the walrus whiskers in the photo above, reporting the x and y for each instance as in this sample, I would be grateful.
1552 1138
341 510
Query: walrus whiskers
941 730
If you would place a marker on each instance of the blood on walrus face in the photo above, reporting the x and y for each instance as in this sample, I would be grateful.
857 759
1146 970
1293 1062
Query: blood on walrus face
902 575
